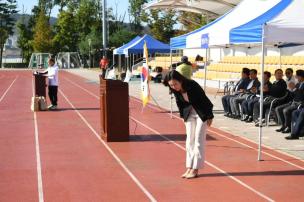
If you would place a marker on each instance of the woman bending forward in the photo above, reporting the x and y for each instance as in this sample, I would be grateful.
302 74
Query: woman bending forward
196 110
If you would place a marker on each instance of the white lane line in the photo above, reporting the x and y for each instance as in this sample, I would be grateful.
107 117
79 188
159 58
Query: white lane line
38 158
181 147
208 163
75 84
4 94
244 144
138 183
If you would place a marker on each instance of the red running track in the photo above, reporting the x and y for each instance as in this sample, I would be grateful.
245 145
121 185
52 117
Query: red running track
77 166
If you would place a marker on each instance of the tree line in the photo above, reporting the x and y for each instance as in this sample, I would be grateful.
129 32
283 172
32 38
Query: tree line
78 27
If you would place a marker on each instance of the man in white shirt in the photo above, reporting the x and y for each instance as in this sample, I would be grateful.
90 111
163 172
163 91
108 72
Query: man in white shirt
52 73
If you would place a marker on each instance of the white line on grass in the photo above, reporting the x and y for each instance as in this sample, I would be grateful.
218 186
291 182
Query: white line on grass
138 183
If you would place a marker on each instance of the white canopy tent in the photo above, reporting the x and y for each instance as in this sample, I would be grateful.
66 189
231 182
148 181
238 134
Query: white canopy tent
219 33
288 26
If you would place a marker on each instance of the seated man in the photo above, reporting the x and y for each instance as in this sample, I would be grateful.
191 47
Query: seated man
247 104
297 124
290 79
240 86
277 90
284 111
250 90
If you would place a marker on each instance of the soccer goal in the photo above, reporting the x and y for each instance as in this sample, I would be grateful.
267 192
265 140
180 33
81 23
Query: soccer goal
39 60
67 60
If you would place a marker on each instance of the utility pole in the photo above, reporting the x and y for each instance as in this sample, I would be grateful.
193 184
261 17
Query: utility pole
104 27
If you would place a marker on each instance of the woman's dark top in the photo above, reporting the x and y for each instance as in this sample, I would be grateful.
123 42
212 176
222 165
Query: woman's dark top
197 100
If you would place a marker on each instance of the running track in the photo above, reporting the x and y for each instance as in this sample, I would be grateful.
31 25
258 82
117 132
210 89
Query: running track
59 156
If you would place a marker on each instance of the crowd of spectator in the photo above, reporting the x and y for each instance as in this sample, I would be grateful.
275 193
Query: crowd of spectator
283 100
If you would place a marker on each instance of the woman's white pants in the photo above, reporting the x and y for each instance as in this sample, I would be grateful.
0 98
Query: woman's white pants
195 142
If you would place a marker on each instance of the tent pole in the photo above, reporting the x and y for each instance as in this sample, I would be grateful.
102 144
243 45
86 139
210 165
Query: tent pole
113 62
280 59
205 79
171 96
261 95
127 65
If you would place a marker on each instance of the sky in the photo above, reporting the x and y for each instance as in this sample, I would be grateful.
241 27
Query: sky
122 7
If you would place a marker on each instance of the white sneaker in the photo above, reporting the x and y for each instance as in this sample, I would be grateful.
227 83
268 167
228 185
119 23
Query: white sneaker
50 106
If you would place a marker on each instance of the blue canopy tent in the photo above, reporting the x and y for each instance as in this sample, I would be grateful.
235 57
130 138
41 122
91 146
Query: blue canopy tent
137 47
154 46
119 51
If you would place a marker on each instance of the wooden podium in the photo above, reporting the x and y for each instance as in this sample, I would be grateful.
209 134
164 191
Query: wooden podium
40 85
114 110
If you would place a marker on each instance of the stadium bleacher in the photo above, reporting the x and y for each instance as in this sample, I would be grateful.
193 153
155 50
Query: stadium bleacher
230 66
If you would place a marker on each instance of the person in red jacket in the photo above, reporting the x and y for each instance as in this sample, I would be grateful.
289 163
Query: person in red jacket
104 62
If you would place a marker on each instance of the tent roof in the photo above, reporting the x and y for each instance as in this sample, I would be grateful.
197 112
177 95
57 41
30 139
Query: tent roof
288 26
208 7
251 32
218 32
153 46
179 42
119 51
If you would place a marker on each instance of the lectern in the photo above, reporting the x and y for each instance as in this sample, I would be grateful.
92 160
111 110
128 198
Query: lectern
114 110
40 85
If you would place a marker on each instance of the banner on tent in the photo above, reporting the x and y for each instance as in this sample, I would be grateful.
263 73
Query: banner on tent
205 41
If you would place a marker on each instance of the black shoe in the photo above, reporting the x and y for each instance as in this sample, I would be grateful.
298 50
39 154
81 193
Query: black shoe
280 129
290 137
226 114
234 116
286 130
249 120
245 118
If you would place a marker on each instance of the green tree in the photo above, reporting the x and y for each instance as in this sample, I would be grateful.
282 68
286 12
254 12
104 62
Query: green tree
66 37
190 21
121 36
161 23
42 41
24 39
87 17
136 11
96 42
7 22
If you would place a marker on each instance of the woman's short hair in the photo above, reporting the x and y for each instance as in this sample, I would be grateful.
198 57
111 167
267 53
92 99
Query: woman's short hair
174 75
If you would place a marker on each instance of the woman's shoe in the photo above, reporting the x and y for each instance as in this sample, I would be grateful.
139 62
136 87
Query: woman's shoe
186 173
192 174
